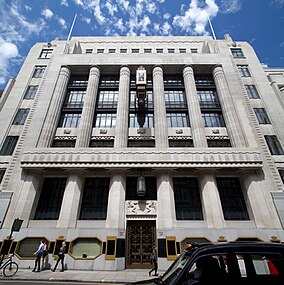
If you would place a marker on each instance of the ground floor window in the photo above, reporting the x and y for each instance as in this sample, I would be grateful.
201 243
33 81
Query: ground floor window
95 199
232 198
50 199
187 199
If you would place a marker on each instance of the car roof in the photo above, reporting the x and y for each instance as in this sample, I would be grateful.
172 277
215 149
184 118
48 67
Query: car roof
235 246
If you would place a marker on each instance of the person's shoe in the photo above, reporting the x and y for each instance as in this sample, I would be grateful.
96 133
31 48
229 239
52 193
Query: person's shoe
62 270
149 274
33 270
155 274
52 270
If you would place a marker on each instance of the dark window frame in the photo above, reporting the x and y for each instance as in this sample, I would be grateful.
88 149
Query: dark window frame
21 116
95 198
262 116
274 145
50 199
9 145
232 199
187 197
31 92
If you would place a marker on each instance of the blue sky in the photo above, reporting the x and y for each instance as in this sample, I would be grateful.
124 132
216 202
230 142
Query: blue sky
25 22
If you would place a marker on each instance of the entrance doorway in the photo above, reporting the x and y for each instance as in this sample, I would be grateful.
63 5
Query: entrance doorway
140 239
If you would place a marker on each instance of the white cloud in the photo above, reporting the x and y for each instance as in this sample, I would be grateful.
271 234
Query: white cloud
28 8
86 19
8 51
64 3
62 22
111 8
166 29
47 13
195 18
230 6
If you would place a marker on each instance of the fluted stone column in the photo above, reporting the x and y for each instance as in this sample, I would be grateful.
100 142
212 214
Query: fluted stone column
160 117
116 202
165 199
70 203
87 117
229 112
196 123
121 131
53 115
211 201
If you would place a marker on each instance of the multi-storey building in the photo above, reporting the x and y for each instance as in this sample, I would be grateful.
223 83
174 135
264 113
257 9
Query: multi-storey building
116 144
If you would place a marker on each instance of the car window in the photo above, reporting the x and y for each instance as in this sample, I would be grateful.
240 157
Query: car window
263 268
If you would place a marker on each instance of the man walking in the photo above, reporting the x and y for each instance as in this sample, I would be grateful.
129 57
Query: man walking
154 260
38 253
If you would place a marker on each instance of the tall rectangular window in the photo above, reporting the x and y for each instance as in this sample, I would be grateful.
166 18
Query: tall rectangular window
39 71
232 199
187 199
2 172
261 115
95 199
9 145
46 53
50 199
252 91
31 92
281 172
244 71
274 145
21 116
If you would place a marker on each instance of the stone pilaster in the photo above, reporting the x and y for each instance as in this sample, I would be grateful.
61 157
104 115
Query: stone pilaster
121 132
87 117
116 202
70 204
53 114
196 123
211 201
229 112
166 205
161 130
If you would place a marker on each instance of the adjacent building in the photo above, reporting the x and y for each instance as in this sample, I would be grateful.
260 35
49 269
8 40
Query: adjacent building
117 144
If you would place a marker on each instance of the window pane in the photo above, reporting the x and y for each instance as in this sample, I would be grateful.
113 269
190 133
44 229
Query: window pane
232 199
31 92
39 71
211 119
46 53
21 116
50 199
9 145
261 115
274 145
187 199
95 199
252 91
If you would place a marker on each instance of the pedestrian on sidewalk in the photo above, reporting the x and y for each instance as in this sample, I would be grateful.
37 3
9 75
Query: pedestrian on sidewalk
44 254
38 253
61 255
154 261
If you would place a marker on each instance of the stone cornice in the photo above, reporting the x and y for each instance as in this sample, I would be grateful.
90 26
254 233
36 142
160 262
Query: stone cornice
107 158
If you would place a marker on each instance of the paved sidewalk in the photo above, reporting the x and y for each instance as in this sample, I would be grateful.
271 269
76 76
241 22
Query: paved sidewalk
84 276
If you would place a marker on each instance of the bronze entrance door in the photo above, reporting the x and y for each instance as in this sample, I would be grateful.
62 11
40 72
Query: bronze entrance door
140 239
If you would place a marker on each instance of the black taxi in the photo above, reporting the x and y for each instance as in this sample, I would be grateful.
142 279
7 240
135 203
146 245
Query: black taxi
232 263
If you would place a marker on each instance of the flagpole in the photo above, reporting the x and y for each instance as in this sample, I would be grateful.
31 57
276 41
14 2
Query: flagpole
212 30
71 29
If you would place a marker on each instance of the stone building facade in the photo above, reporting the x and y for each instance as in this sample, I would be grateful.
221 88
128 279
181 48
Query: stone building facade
91 156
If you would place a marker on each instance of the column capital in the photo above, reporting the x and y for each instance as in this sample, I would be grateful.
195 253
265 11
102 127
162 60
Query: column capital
94 70
125 70
188 69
